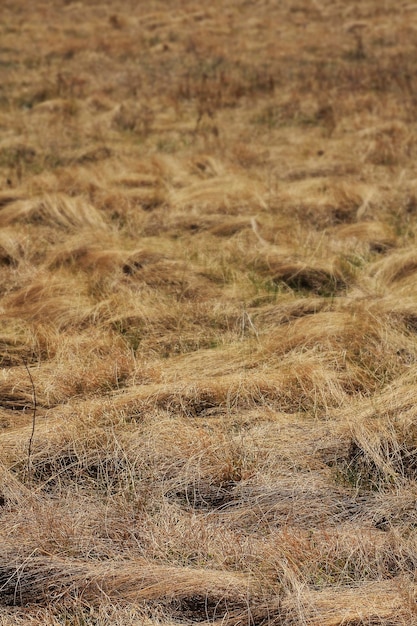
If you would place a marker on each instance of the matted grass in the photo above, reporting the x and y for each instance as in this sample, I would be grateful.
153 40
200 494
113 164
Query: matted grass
208 313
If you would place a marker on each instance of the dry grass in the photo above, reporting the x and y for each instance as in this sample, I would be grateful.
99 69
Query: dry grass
208 313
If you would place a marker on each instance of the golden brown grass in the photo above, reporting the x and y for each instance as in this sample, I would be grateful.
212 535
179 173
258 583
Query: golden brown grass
208 313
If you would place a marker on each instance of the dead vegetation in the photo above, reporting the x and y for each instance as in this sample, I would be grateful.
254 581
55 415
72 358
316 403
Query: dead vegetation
208 313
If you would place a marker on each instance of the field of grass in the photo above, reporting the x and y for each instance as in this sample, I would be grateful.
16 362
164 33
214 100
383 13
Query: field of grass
208 313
